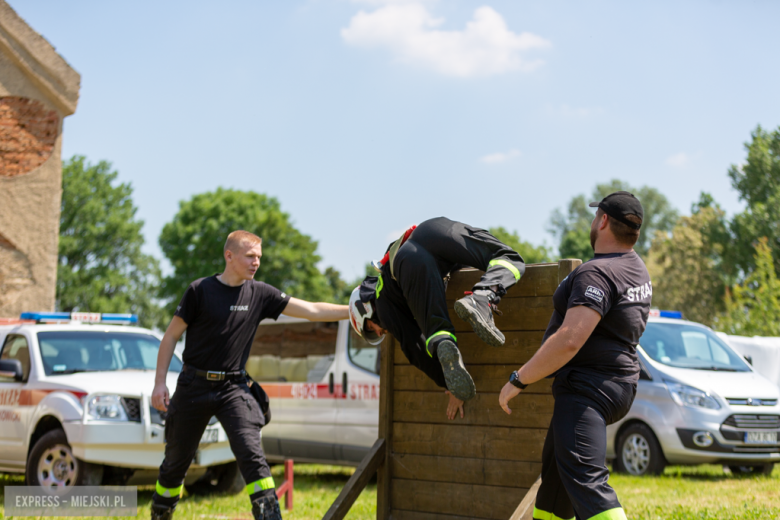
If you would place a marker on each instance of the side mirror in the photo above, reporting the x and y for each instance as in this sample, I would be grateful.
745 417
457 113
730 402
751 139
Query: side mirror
749 359
11 368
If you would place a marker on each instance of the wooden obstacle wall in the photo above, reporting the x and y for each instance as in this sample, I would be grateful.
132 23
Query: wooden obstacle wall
482 466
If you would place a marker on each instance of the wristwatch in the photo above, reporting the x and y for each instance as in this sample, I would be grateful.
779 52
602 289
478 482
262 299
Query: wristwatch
515 380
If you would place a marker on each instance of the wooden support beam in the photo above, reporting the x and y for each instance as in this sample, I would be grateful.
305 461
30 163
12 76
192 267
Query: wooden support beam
357 482
525 511
566 266
384 477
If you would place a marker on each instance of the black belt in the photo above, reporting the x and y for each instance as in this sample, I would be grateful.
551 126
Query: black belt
213 375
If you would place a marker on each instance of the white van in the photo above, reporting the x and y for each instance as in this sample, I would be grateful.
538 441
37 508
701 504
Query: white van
697 401
323 382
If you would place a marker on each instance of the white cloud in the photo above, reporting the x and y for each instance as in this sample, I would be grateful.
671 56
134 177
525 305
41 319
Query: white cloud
500 157
568 111
678 160
388 2
485 47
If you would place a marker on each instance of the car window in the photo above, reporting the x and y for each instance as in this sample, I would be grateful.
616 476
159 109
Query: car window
293 352
67 352
15 347
689 346
362 353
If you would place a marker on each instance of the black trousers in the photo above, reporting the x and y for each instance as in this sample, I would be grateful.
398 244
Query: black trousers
438 247
195 401
574 470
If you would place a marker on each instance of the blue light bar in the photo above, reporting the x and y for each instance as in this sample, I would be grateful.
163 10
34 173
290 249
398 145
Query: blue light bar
46 316
89 317
119 318
675 315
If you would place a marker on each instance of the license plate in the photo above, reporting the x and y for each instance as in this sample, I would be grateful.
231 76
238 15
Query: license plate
209 436
761 437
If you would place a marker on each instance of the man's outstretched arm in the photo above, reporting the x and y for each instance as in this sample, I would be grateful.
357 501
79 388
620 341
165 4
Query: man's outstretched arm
315 311
558 350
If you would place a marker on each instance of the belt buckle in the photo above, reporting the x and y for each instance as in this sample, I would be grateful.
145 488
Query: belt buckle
215 376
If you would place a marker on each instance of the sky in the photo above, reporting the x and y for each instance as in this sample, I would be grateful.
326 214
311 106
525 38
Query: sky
364 117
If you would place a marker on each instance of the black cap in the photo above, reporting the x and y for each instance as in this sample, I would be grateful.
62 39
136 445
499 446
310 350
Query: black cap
620 204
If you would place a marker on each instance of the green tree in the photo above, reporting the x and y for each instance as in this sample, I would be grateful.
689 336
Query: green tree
753 306
572 227
340 289
194 239
100 264
758 183
531 254
686 265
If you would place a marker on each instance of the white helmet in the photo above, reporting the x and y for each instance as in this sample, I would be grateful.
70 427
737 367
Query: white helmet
359 312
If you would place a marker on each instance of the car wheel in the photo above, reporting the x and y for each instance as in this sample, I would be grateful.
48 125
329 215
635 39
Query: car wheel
225 478
53 466
760 469
638 452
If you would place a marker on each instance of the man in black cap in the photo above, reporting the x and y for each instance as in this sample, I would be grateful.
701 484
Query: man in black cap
601 311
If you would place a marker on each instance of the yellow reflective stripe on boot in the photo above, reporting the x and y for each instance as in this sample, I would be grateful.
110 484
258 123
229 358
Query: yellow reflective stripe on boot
611 514
544 515
379 285
507 265
260 485
440 333
168 492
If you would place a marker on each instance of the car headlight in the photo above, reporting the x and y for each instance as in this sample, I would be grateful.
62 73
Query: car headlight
685 395
106 408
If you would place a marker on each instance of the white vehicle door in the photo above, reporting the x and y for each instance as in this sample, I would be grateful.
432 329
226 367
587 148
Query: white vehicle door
294 363
358 407
16 405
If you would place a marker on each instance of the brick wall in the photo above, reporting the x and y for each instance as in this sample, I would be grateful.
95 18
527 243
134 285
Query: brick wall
28 131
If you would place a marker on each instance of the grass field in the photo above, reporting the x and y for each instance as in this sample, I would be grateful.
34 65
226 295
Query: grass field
681 493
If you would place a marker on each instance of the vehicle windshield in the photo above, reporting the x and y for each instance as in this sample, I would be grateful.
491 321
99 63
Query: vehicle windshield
689 346
68 352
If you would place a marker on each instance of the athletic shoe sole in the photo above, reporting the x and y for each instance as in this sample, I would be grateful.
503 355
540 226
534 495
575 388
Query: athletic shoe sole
458 380
487 332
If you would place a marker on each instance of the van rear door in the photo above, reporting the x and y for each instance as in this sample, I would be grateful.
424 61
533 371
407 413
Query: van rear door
294 362
358 407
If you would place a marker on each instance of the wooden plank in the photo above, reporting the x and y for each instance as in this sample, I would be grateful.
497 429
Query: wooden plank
295 339
494 502
525 511
488 378
357 482
538 280
528 410
384 477
400 514
518 349
465 471
530 313
566 266
489 442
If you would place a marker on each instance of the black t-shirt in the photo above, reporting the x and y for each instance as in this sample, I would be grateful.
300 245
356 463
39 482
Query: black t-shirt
222 321
618 287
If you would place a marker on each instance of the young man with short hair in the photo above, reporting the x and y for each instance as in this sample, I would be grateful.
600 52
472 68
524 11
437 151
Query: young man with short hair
221 314
601 311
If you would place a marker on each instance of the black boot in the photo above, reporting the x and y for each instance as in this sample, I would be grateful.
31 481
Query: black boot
161 512
477 310
266 508
456 376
